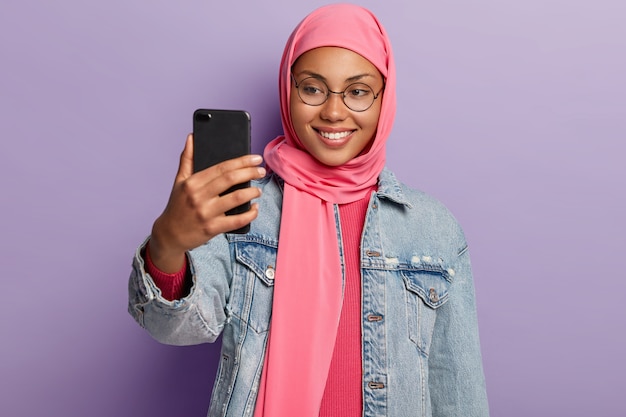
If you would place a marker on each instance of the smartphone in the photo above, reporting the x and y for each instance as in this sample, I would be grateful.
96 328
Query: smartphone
219 135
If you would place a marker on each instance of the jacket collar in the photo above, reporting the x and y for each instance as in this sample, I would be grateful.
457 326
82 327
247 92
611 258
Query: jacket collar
390 188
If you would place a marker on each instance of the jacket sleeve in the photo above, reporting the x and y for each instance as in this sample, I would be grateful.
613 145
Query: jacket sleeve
197 318
457 384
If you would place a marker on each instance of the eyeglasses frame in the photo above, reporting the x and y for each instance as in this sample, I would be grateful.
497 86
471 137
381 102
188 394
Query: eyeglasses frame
343 93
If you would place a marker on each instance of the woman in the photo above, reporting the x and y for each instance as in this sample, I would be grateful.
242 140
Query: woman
352 294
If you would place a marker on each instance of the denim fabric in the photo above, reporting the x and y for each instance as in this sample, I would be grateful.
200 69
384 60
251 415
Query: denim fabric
420 345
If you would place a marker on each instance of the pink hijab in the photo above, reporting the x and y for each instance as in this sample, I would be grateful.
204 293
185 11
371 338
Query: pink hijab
308 281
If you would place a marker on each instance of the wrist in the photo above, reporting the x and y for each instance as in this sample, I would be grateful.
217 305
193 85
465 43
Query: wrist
165 256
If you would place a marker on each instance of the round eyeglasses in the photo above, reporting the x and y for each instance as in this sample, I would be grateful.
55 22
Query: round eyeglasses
357 97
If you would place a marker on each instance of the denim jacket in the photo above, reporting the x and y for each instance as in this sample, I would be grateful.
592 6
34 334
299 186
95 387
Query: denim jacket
420 346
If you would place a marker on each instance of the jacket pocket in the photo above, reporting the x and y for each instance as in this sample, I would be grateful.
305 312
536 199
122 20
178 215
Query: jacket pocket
253 284
426 290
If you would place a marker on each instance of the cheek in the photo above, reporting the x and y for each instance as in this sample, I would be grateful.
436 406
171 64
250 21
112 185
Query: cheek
296 111
370 122
296 122
301 115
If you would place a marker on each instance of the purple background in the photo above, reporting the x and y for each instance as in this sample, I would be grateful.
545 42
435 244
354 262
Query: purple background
511 112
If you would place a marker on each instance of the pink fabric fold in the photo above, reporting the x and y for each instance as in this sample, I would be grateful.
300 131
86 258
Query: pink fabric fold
308 281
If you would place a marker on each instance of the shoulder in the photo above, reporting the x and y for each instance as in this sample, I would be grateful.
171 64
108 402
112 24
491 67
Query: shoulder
415 212
395 191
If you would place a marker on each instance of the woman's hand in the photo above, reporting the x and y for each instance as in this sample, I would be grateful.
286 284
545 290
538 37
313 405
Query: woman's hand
195 211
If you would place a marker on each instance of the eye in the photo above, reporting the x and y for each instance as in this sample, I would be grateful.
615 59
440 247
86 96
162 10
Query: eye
358 91
312 87
311 90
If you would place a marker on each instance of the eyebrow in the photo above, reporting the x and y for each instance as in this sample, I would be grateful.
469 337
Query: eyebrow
354 78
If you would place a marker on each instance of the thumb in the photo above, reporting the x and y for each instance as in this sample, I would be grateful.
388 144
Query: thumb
185 168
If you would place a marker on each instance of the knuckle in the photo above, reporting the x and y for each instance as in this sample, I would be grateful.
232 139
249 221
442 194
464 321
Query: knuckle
195 203
208 225
222 168
239 197
187 187
231 177
208 230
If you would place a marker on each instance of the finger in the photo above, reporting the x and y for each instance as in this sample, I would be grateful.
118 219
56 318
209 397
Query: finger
207 187
236 198
228 223
217 170
185 167
213 213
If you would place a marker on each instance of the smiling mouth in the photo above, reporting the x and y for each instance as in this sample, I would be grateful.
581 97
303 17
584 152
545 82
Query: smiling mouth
335 135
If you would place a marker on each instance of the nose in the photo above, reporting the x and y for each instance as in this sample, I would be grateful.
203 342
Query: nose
334 109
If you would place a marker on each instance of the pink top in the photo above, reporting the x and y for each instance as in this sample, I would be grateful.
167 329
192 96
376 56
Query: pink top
172 286
344 386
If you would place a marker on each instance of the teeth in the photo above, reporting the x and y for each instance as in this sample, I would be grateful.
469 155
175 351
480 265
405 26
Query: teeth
335 135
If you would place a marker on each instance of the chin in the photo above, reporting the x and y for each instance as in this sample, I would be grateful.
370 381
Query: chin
332 161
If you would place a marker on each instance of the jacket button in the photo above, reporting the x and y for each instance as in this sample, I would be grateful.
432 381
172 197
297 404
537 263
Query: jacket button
432 294
372 253
269 272
375 385
374 317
